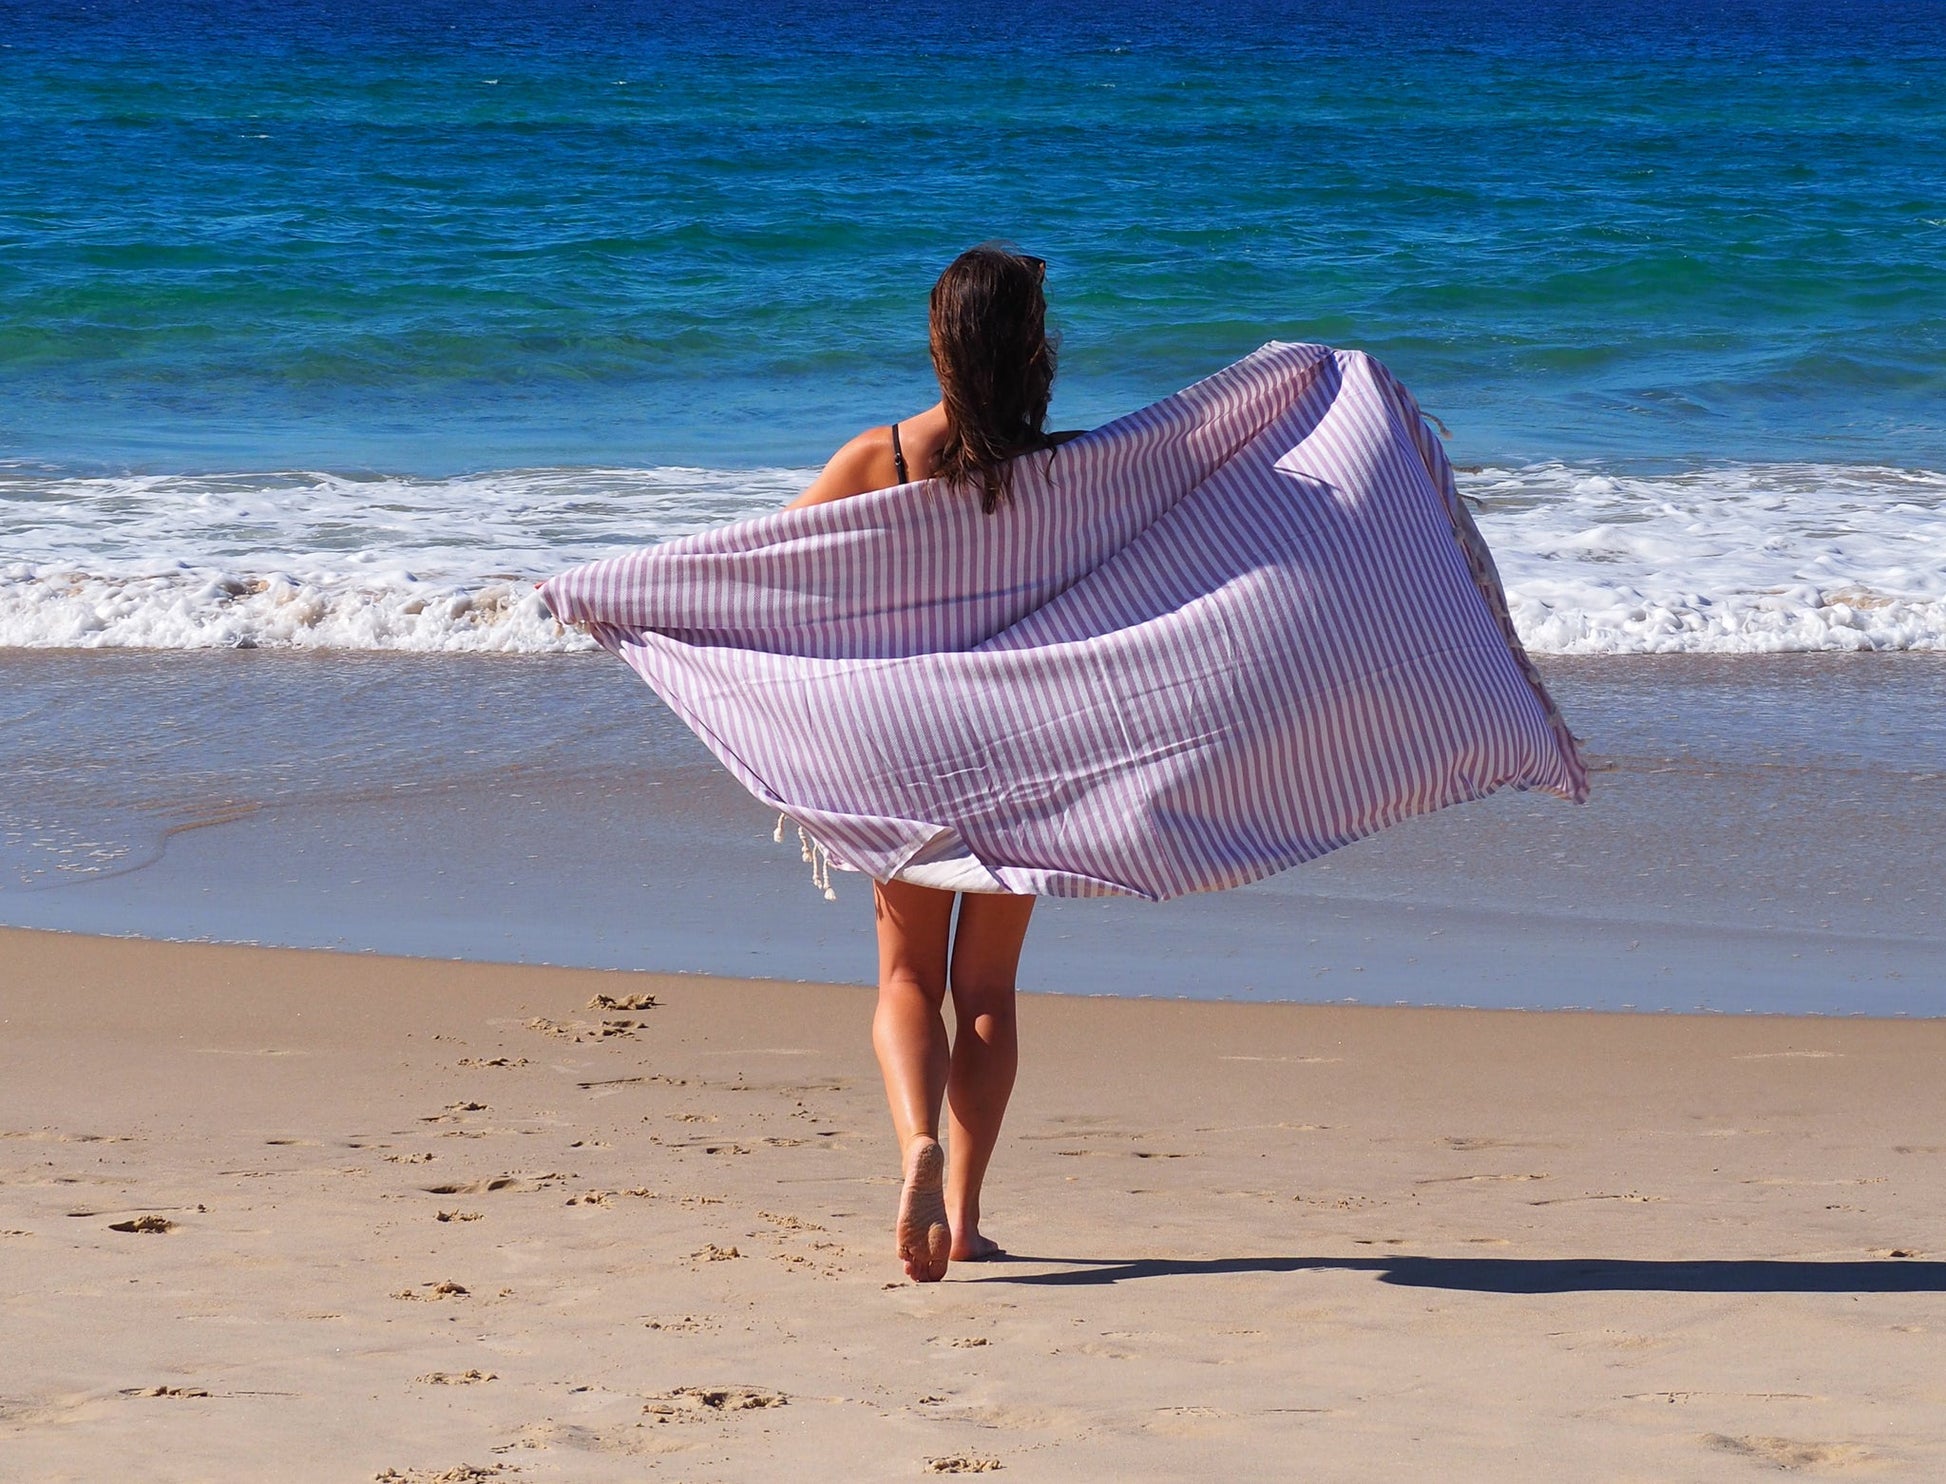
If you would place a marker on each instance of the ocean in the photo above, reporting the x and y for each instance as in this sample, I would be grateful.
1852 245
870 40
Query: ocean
331 327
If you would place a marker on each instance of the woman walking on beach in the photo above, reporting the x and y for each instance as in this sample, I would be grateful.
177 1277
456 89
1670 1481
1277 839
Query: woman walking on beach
995 366
1245 626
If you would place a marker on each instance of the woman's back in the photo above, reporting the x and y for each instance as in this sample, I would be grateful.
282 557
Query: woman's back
987 327
878 458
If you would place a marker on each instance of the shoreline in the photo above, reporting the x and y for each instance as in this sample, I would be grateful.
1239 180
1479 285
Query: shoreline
1758 839
423 1216
704 976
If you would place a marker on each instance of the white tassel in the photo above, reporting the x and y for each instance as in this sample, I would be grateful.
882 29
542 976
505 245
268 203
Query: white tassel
812 854
821 871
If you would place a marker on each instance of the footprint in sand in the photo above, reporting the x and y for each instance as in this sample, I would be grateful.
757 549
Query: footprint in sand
1189 1422
623 1002
790 1223
681 1324
434 1291
45 1135
497 1182
1472 1179
582 1030
151 1224
1791 1453
695 1403
476 1187
1786 1055
1293 1060
452 1110
628 1081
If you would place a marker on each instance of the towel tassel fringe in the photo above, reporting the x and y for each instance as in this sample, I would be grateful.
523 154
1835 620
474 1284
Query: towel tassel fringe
812 854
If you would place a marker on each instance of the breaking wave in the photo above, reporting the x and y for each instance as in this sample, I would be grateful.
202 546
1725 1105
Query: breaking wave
1727 559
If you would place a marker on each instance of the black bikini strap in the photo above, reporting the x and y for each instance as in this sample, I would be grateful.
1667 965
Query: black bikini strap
898 457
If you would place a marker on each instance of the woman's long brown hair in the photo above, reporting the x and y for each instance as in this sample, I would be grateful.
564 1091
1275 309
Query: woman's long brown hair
995 365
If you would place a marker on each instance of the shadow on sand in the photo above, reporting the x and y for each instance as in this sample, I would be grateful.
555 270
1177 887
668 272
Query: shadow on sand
1521 1274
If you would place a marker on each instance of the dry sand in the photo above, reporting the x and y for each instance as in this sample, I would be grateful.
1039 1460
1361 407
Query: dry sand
295 1216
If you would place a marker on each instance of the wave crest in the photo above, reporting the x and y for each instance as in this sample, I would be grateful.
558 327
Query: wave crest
1730 559
77 610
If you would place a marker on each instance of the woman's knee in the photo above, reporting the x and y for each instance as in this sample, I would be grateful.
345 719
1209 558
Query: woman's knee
901 987
984 997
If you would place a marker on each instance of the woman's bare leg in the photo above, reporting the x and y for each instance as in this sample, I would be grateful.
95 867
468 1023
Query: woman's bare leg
986 1052
909 1035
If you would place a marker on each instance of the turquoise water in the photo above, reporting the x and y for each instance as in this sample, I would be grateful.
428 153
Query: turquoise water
331 326
251 236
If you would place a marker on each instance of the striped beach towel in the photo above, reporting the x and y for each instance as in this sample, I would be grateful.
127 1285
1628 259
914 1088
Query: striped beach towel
1216 638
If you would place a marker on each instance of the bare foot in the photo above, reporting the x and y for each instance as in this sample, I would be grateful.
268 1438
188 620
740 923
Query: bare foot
925 1241
972 1247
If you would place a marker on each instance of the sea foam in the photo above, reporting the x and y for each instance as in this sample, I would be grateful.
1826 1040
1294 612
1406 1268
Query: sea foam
1730 559
1716 559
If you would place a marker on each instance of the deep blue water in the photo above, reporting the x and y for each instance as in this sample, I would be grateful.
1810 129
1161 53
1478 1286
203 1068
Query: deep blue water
432 238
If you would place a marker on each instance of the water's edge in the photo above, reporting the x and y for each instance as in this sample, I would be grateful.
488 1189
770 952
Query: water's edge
1752 844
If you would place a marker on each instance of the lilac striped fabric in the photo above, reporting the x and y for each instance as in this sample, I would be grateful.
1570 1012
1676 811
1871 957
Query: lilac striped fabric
1221 636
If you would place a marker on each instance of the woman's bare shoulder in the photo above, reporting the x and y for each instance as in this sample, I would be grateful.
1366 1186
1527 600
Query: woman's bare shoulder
861 466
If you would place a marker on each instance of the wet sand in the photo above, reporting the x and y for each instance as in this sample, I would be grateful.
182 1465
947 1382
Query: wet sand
326 1216
1764 835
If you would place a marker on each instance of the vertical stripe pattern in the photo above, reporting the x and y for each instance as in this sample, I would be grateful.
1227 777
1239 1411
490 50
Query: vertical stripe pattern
1214 639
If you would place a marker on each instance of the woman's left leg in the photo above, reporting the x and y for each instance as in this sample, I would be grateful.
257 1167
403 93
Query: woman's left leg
909 1035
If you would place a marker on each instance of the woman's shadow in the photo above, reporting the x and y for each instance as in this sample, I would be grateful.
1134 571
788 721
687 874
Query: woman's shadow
1519 1274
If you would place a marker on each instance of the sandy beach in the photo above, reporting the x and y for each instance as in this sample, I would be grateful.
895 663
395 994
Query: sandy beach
270 1213
423 1062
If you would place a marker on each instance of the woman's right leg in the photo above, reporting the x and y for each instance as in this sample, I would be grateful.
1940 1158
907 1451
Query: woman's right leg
986 1053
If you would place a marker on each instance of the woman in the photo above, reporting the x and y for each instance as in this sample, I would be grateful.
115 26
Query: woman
995 366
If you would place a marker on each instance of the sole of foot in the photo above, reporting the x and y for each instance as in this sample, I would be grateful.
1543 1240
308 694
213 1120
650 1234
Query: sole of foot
925 1241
